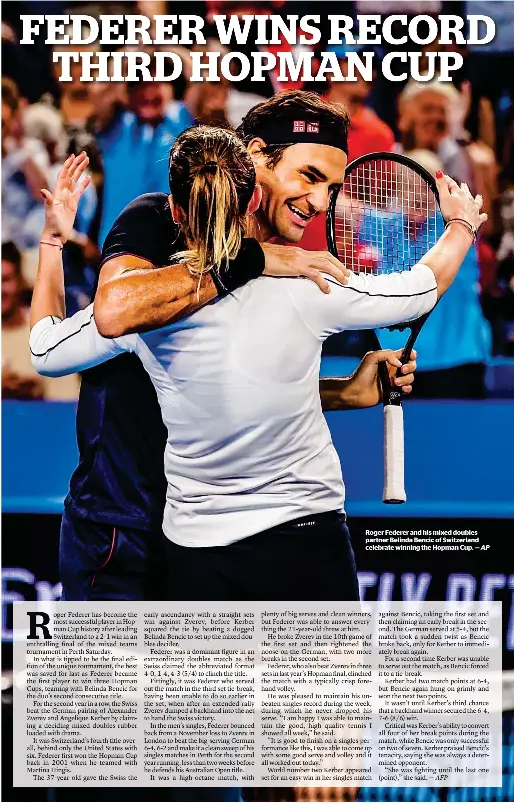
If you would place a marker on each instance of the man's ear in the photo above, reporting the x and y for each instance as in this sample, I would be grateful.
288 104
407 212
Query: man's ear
255 147
255 200
177 213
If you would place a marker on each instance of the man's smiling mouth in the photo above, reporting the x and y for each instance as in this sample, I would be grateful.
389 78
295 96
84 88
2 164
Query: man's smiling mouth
301 215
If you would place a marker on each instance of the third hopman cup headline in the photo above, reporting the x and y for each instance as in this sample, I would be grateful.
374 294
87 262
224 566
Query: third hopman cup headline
187 31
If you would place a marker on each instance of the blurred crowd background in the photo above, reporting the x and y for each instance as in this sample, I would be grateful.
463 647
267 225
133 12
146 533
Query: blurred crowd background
465 128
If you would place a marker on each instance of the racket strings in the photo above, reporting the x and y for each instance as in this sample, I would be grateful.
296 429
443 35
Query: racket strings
386 217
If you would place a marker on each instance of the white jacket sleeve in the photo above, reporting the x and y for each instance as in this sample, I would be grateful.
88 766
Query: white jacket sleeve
367 301
60 347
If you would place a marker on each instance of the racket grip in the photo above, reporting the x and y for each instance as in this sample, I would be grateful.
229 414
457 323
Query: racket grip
394 488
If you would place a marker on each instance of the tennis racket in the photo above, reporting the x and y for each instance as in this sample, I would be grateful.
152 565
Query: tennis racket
384 218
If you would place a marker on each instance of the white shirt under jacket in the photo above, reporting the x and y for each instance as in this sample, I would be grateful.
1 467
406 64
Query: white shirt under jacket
238 384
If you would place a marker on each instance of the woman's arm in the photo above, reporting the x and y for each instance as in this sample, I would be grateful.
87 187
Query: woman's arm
447 255
48 295
370 301
60 212
59 347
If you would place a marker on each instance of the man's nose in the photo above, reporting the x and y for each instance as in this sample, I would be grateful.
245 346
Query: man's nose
319 198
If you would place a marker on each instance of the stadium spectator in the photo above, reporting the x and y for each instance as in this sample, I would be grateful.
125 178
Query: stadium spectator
425 115
74 98
471 125
25 170
85 108
367 132
207 103
84 105
28 68
221 103
19 380
241 8
135 146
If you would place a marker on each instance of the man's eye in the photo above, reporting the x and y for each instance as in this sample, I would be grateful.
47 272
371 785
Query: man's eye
310 177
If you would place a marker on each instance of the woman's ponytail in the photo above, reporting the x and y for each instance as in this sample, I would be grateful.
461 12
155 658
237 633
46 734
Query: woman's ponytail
215 226
212 179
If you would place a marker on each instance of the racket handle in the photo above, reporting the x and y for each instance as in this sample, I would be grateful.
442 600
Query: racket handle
394 488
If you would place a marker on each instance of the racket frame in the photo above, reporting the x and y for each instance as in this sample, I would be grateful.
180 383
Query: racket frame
394 483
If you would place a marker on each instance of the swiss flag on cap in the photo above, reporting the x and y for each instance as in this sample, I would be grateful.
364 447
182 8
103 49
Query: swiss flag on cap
313 128
298 126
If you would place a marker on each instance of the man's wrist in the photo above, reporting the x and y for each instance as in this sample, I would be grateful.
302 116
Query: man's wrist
249 264
336 393
350 391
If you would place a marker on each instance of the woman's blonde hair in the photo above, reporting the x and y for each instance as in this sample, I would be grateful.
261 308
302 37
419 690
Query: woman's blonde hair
212 178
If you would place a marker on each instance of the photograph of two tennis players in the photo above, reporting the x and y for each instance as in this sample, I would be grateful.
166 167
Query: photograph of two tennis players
246 324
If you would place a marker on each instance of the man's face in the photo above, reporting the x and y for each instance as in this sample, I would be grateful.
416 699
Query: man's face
10 288
298 188
149 102
426 117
